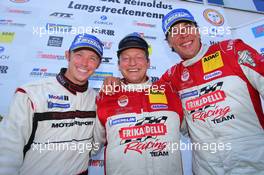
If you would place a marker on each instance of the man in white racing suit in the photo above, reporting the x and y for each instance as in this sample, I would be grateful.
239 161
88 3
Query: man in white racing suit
49 126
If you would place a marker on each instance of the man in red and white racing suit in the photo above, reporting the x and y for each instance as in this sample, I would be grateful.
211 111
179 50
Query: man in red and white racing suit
220 88
140 123
50 124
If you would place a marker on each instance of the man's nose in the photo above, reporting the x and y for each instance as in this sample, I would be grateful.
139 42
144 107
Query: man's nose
132 61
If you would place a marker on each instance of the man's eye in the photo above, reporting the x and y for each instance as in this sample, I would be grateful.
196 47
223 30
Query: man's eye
94 58
140 57
124 58
78 55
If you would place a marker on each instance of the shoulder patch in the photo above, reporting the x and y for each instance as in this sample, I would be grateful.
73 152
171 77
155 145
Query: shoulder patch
244 57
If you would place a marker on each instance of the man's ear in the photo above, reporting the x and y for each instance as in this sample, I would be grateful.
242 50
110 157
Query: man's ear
148 63
67 55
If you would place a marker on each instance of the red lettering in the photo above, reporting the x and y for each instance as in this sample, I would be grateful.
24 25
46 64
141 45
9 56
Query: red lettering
205 100
143 131
140 146
216 113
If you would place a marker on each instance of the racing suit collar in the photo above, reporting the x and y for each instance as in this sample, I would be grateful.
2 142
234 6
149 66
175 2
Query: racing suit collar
135 87
200 54
70 86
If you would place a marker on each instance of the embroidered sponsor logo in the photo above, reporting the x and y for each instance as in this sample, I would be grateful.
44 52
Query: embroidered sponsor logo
157 97
246 58
143 131
122 101
159 106
58 105
143 136
70 124
185 75
212 75
122 120
59 97
212 62
216 113
205 100
189 94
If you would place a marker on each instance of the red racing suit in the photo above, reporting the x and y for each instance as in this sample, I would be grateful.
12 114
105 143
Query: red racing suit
141 128
220 92
49 129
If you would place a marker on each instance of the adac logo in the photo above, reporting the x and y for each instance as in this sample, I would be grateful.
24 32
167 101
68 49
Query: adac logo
214 17
212 62
7 37
103 21
19 1
157 97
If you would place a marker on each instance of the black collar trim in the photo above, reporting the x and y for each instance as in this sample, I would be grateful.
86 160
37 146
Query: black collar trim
65 82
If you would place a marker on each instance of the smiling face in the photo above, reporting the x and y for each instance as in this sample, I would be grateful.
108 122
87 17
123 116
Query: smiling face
82 64
184 38
133 65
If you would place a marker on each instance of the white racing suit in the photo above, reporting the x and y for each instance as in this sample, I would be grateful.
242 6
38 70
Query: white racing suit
48 129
